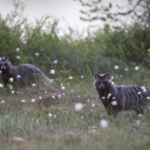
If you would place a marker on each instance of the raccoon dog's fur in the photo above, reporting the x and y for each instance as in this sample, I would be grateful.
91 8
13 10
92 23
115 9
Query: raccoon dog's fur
124 97
22 75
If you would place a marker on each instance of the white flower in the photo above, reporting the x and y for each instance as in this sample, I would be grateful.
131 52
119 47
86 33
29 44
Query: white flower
40 97
136 68
113 97
62 87
1 85
116 67
126 69
103 123
138 122
78 106
70 77
52 80
109 95
37 54
33 84
143 87
33 100
45 92
82 76
18 139
103 97
11 87
18 57
52 71
18 76
53 96
55 61
139 93
0 71
23 101
13 92
78 96
11 79
114 103
93 105
59 96
88 100
112 83
82 117
50 115
55 116
17 49
140 115
2 102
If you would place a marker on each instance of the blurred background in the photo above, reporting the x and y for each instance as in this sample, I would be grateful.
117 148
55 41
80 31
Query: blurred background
78 37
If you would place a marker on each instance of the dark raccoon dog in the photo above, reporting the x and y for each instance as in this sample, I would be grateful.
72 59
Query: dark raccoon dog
124 97
22 75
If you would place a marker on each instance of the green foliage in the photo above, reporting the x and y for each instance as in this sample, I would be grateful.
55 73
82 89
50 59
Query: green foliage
40 44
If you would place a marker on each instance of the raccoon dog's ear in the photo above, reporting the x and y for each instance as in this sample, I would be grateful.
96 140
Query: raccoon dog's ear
96 75
108 75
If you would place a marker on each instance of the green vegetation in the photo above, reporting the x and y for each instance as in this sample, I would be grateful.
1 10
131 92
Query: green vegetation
79 57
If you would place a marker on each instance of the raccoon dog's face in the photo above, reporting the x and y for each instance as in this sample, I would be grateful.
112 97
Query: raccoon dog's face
4 63
102 81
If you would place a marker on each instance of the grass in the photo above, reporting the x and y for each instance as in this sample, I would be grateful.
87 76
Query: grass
70 129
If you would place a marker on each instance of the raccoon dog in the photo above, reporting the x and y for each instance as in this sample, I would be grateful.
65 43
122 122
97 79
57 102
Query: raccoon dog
22 75
124 97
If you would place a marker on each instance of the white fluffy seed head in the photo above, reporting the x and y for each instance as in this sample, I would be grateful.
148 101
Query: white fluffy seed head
1 85
2 102
18 76
55 61
109 95
116 67
33 84
62 87
37 54
136 68
17 49
11 79
103 123
88 100
53 96
103 97
93 105
50 115
78 106
126 69
32 100
70 77
23 101
52 71
12 92
59 96
114 103
82 76
40 97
